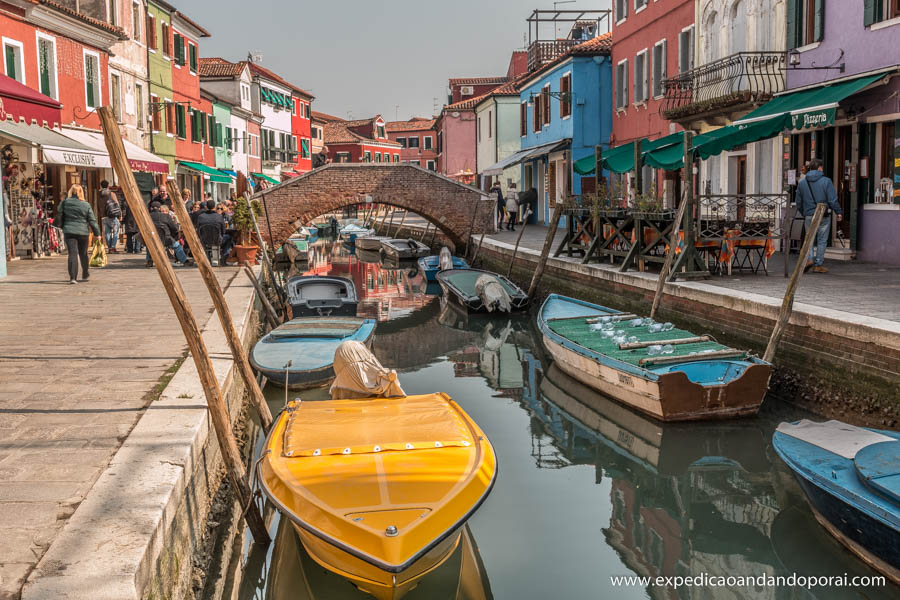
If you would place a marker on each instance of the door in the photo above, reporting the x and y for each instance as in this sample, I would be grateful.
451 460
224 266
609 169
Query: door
551 188
842 179
540 192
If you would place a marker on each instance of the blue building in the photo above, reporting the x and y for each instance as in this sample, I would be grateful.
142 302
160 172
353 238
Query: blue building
565 111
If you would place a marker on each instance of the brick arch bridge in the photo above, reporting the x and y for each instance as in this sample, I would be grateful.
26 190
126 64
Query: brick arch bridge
446 203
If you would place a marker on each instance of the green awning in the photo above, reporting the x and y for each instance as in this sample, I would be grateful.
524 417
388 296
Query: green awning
668 158
212 174
814 107
265 177
738 135
621 158
265 94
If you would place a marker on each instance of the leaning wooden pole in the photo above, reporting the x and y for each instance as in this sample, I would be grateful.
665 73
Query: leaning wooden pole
215 401
512 260
670 255
218 299
271 315
787 305
400 226
472 227
265 255
391 222
545 252
425 231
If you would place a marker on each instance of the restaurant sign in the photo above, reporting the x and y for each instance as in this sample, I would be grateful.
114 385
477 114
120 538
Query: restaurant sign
813 119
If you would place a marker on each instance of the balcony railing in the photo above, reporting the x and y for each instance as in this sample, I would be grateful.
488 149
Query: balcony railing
279 155
719 85
541 53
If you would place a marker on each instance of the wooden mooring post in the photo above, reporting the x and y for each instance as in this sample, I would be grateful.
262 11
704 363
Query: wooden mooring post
268 309
215 401
218 298
400 226
545 252
673 244
512 260
787 305
267 264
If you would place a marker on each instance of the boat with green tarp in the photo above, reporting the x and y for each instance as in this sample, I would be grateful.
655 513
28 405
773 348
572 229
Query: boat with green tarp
482 291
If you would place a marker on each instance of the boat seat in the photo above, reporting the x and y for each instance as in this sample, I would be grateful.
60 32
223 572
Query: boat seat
878 467
836 437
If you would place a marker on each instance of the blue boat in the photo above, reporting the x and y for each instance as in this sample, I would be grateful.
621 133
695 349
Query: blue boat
430 265
697 379
851 478
309 344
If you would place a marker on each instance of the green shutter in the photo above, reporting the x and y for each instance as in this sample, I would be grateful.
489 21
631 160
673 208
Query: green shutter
11 62
793 24
219 137
179 49
869 11
211 122
203 129
819 24
193 53
89 81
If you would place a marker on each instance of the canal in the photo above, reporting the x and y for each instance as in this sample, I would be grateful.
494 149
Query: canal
587 489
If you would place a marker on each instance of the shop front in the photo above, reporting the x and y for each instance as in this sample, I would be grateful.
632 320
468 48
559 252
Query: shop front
200 178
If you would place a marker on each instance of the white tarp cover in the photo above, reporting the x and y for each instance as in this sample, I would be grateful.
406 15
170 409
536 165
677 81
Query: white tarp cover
836 437
358 374
492 293
445 259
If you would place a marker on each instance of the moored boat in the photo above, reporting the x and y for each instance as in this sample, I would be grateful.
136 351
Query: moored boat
309 344
350 232
479 290
851 478
372 243
403 249
430 265
294 250
318 295
693 378
379 490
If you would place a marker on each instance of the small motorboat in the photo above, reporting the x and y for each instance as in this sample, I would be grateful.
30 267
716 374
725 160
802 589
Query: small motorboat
667 373
378 489
482 291
430 265
404 249
851 478
350 232
321 295
372 243
309 344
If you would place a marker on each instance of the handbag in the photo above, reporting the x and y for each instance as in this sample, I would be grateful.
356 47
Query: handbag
99 258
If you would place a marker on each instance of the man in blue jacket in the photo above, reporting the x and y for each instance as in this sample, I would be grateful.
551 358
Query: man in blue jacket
815 189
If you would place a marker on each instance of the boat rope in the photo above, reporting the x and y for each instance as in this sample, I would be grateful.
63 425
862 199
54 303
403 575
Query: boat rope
255 492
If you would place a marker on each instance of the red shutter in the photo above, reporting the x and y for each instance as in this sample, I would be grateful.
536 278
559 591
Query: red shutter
523 119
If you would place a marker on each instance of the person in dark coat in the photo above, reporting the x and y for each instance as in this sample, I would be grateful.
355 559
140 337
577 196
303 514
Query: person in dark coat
815 189
132 239
501 202
77 220
112 215
528 202
168 234
210 226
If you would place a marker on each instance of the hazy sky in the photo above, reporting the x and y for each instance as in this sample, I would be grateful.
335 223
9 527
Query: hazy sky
369 57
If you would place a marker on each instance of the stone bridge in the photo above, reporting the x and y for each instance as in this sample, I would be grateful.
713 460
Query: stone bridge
446 203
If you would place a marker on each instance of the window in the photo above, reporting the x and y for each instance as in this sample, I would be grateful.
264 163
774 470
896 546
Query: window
622 84
396 158
621 10
877 11
12 60
156 110
536 118
180 125
523 119
659 68
565 103
293 108
211 125
378 157
136 21
139 104
170 118
166 40
640 77
367 156
195 126
380 131
402 141
192 51
490 125
430 164
428 141
151 32
304 148
478 129
413 142
92 80
113 12
806 19
639 5
686 49
115 95
545 104
245 92
179 49
47 65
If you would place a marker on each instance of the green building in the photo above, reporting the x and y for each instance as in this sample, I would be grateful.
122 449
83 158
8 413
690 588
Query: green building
159 51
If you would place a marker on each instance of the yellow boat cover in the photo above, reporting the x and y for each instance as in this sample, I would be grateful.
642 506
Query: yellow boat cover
364 427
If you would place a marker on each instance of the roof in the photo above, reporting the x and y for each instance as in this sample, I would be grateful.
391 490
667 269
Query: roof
467 104
191 22
477 80
414 124
360 122
219 67
600 45
337 132
260 70
117 31
320 116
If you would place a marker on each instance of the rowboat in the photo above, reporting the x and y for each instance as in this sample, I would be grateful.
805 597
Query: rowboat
851 478
698 379
320 295
479 290
430 265
370 242
379 490
410 248
294 249
309 344
350 232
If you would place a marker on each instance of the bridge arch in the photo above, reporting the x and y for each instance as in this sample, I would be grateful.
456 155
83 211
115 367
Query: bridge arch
444 202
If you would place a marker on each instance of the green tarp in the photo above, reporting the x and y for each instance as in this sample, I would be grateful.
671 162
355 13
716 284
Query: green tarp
214 174
265 177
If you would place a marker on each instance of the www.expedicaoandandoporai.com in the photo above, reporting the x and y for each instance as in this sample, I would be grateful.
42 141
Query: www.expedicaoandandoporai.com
758 581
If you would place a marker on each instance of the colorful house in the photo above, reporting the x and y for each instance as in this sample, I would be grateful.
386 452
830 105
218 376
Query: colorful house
362 140
497 136
466 88
159 67
272 97
417 138
301 129
456 140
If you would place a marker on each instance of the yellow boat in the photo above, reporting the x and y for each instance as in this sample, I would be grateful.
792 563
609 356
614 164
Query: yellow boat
378 489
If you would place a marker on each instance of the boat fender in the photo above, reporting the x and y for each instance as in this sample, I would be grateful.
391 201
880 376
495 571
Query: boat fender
492 293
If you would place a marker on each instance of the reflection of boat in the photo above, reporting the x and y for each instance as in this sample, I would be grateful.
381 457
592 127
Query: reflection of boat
368 256
294 250
851 477
370 243
432 264
686 385
311 295
309 344
463 286
378 489
403 249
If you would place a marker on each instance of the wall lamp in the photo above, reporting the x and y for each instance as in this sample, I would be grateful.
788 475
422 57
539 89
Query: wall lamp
794 62
561 96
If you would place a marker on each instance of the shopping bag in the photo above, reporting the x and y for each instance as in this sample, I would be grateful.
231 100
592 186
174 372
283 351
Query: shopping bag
98 254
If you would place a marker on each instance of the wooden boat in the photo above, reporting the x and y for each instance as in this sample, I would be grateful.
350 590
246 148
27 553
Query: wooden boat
851 478
701 379
368 256
371 243
460 285
430 265
350 232
294 250
320 295
309 344
409 248
378 489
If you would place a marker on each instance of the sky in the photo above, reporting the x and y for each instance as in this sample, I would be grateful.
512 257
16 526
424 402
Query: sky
361 58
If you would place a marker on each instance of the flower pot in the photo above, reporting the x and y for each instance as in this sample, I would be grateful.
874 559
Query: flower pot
246 253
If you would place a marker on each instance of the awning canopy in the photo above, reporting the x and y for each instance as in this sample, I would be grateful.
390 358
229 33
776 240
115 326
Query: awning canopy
56 147
265 178
138 158
621 158
21 102
229 172
212 174
510 161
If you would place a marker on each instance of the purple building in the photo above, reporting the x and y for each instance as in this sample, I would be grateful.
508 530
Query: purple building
844 75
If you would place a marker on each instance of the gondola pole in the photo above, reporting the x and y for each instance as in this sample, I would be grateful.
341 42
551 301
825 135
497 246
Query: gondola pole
518 241
215 401
670 255
400 226
545 252
271 315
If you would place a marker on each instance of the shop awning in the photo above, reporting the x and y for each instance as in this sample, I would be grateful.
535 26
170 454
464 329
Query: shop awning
212 174
265 178
621 158
510 161
21 102
138 158
56 147
814 107
229 172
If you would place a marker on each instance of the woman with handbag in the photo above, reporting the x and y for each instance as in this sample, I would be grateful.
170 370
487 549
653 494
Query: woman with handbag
76 219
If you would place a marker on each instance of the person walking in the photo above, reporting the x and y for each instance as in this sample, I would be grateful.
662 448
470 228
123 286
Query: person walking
168 234
512 207
815 189
76 219
132 239
501 202
112 215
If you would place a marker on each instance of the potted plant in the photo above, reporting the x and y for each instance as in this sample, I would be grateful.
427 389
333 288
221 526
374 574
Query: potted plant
242 220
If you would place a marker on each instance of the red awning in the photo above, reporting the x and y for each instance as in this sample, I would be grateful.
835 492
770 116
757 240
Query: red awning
22 102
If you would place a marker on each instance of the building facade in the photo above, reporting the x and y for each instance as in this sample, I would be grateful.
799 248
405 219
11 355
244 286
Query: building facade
418 140
272 98
456 152
301 130
128 73
159 67
497 136
362 140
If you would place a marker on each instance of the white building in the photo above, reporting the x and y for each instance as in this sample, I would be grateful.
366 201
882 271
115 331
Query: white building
233 83
272 98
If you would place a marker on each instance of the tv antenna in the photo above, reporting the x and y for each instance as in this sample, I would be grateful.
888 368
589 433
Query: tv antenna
255 57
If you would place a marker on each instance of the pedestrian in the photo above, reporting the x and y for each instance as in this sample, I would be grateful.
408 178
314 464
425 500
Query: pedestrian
211 229
77 220
168 234
132 239
154 194
163 197
501 202
112 213
813 190
512 207
188 199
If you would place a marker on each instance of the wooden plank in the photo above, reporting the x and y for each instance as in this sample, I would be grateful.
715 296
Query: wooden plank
215 401
670 255
613 317
675 342
666 360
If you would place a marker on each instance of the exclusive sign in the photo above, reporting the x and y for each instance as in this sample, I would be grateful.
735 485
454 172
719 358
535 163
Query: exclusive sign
808 120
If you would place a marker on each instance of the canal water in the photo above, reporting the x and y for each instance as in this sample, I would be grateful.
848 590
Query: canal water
587 491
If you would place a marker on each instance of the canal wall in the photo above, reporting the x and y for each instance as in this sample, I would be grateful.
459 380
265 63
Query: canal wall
136 532
837 364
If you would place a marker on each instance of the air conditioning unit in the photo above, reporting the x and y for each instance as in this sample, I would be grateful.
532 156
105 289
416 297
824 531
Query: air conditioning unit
466 90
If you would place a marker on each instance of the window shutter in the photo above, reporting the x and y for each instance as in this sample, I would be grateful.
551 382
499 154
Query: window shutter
868 12
44 59
793 23
819 25
193 54
219 139
523 119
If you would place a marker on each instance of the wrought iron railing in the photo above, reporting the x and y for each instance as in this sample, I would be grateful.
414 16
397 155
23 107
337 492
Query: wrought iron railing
541 53
751 216
736 79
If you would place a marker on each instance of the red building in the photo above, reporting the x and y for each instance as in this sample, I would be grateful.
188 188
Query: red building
254 159
464 88
418 138
301 129
363 140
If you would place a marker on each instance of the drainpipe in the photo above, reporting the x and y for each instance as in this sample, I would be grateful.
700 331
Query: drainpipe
149 80
497 136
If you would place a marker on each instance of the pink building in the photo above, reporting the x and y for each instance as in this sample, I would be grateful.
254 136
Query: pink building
456 150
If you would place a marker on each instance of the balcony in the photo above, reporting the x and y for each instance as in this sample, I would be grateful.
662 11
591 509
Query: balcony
723 86
541 53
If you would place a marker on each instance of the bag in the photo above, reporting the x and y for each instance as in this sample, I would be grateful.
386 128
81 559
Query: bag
827 212
98 254
113 210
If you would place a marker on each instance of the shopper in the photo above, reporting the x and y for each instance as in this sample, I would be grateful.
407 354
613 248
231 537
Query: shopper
112 215
501 202
77 220
168 234
813 190
188 199
132 237
512 207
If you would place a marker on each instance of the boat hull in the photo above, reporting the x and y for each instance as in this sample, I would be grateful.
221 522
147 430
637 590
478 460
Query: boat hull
319 296
471 302
324 308
405 251
432 267
370 243
303 379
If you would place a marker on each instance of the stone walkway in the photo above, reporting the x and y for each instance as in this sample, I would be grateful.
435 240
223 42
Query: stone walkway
78 365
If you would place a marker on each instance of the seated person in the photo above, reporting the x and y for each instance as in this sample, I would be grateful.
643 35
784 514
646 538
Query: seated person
211 229
168 234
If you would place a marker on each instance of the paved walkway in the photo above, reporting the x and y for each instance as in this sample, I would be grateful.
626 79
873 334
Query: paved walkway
78 365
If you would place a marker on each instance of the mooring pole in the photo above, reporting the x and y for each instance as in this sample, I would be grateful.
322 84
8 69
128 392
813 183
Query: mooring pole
271 315
787 305
391 222
425 231
215 401
545 252
673 243
400 226
265 254
512 260
472 227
